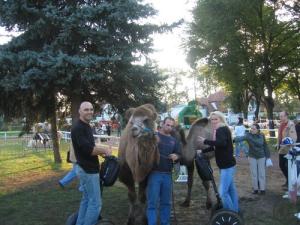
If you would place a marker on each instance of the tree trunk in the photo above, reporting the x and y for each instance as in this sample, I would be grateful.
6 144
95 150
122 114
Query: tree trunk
75 104
256 113
245 107
75 98
246 100
245 113
269 102
55 142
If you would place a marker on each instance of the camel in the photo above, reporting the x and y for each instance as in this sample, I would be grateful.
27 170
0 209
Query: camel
200 127
138 153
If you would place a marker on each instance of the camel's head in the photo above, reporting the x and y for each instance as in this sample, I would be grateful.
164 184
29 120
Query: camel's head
142 120
140 129
189 144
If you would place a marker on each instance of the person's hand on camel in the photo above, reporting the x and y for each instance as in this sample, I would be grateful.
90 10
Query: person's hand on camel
200 140
173 157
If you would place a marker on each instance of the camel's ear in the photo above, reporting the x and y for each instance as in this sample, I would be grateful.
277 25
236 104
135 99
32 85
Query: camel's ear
153 110
129 113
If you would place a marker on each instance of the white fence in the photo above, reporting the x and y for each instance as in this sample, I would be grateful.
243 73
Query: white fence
65 135
100 139
267 133
9 135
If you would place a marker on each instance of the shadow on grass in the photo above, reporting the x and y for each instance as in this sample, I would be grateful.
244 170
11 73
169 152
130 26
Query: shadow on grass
46 203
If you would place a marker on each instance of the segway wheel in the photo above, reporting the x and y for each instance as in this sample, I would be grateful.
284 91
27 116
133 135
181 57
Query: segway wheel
72 219
226 217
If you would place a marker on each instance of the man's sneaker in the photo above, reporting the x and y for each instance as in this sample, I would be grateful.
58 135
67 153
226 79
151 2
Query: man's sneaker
61 185
255 192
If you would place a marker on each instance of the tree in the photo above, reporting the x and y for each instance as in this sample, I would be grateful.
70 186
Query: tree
173 92
247 43
207 83
83 50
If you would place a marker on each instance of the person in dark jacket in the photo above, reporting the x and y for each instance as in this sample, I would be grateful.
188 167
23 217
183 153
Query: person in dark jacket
87 165
221 143
258 153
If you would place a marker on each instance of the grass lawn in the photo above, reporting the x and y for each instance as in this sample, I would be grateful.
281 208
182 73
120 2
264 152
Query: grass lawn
30 195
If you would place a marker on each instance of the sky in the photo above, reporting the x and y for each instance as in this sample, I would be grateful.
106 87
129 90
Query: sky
169 51
3 39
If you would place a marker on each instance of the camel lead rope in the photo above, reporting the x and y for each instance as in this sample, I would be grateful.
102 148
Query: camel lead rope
173 199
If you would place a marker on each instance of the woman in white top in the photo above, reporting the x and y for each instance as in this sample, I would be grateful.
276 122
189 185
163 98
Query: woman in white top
239 131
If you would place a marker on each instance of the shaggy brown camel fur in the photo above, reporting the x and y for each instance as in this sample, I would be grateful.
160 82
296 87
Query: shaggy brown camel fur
137 154
200 127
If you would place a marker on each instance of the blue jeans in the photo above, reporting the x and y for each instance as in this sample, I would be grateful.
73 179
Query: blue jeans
241 145
159 189
69 177
90 205
227 189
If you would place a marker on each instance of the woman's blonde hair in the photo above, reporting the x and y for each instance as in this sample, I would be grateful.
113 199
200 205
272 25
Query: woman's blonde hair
220 115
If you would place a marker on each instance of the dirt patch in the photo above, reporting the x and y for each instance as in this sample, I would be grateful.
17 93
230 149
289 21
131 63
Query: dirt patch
257 209
41 188
30 178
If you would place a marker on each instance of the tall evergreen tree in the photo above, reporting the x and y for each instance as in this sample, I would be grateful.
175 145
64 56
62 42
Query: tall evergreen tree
84 50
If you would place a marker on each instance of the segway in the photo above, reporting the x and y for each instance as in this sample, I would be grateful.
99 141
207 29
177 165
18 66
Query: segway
219 216
108 173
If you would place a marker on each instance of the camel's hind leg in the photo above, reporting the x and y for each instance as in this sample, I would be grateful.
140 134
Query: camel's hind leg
190 169
209 192
206 185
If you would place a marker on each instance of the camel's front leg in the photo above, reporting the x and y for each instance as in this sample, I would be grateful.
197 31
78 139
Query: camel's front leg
132 201
125 176
143 204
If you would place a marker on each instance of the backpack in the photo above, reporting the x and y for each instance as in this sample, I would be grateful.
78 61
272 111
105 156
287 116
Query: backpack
109 171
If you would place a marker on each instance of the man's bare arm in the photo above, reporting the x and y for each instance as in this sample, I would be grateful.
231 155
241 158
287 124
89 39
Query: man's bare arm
101 150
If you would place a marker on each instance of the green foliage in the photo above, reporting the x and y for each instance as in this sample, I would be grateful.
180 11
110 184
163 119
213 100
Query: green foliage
171 92
85 50
206 79
29 194
247 44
